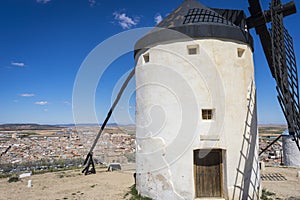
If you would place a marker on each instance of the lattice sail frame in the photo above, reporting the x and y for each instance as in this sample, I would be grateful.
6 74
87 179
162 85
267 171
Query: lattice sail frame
202 15
285 71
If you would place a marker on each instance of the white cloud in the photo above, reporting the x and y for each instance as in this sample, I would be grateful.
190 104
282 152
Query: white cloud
43 1
158 18
41 103
92 2
18 64
124 21
27 95
67 103
46 110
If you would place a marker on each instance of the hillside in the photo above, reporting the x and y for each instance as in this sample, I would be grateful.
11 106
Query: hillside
18 127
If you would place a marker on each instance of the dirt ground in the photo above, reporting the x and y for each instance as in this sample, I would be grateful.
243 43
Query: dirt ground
104 185
283 189
69 185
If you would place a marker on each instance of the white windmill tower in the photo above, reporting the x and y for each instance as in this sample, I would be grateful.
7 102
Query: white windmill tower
291 154
196 107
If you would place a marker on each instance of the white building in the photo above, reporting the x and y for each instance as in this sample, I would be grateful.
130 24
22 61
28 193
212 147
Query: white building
291 153
196 107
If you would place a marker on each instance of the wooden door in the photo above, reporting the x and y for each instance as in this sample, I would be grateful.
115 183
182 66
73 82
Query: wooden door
208 173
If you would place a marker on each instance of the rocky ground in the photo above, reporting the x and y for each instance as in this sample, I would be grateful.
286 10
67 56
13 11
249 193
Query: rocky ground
69 185
114 185
282 189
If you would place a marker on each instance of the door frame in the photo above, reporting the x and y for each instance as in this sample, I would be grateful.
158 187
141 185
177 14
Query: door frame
221 165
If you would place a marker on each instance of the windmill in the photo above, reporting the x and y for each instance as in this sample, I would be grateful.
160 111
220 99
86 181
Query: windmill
215 152
279 51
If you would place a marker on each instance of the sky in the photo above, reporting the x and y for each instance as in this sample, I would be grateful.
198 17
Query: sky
43 44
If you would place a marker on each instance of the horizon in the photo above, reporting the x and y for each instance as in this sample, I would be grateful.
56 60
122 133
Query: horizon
108 124
42 55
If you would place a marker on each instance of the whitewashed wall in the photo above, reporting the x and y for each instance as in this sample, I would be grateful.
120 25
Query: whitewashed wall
172 88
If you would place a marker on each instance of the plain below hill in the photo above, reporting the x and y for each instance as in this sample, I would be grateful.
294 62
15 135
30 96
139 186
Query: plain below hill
18 127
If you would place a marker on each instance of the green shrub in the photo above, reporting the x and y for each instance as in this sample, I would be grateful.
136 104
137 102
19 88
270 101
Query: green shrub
266 195
14 178
134 195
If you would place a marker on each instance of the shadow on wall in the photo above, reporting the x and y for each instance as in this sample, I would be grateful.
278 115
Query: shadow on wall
247 175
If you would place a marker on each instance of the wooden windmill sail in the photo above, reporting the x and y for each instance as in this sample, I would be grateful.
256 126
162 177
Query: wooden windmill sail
279 51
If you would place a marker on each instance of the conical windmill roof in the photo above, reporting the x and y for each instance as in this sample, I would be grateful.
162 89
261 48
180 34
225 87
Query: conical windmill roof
194 20
192 12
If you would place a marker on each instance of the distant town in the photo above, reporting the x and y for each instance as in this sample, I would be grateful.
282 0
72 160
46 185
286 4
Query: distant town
29 147
37 147
273 156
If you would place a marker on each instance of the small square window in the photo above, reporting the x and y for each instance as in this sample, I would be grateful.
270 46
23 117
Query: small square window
207 114
193 49
240 52
146 57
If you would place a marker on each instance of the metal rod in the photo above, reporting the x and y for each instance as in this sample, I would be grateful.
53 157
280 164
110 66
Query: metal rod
112 108
89 158
269 145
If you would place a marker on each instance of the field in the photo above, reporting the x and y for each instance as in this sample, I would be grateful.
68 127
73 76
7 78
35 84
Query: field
271 130
282 189
69 185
